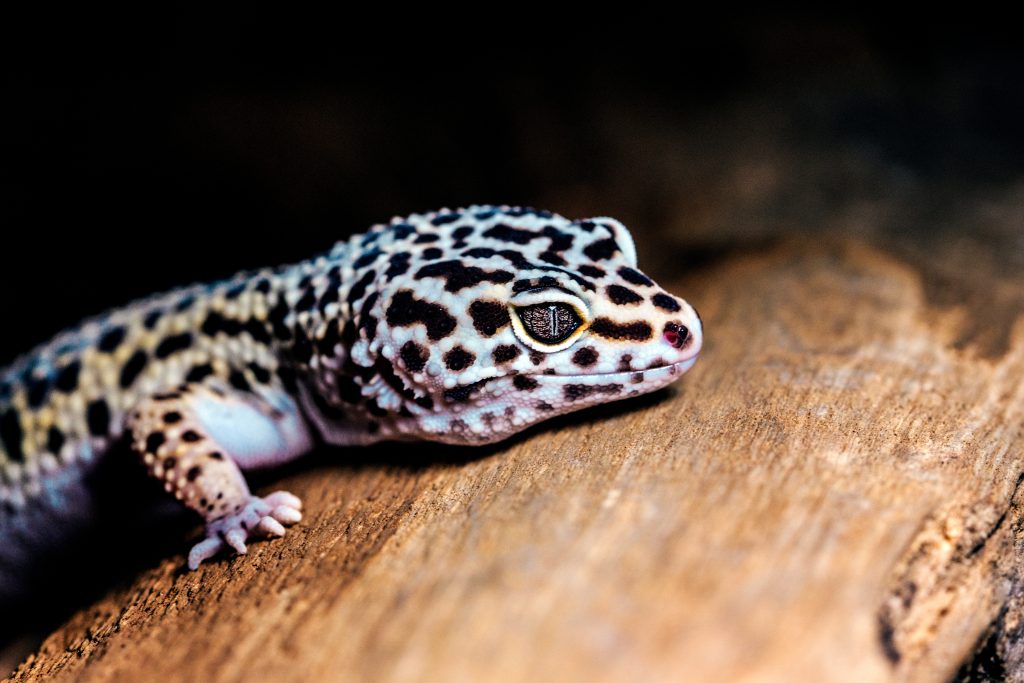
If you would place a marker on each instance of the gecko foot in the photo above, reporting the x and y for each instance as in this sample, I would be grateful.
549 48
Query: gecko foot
260 517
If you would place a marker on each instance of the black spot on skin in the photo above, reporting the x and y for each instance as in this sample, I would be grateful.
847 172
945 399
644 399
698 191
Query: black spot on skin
327 343
560 241
260 373
368 322
666 303
68 378
634 277
111 339
54 440
11 435
427 238
132 368
625 363
349 335
97 415
238 381
622 296
288 379
463 393
173 344
458 276
458 359
349 391
330 296
505 353
544 406
213 324
36 391
446 218
406 310
424 402
505 233
152 318
536 357
302 348
549 371
374 408
193 473
591 271
198 373
462 233
191 436
235 291
488 316
586 226
524 382
154 441
601 249
366 259
170 463
169 396
513 257
216 455
575 392
398 264
263 286
432 253
358 290
307 301
552 258
258 331
634 331
172 417
386 371
402 230
185 304
413 356
277 315
637 378
372 427
585 357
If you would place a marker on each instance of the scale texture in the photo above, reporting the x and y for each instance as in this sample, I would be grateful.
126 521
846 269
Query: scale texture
462 327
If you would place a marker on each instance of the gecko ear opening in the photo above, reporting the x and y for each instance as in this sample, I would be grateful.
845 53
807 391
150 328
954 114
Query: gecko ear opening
621 236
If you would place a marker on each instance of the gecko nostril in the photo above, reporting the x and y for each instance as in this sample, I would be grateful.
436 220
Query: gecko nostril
676 335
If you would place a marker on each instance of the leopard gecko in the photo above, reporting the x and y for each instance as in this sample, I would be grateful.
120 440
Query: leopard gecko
459 326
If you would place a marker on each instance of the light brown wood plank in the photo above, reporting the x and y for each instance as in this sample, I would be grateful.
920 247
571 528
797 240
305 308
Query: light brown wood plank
832 493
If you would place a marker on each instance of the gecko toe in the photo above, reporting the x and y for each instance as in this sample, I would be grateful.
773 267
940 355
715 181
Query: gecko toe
271 527
204 550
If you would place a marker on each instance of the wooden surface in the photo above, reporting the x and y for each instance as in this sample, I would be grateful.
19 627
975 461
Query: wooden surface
832 493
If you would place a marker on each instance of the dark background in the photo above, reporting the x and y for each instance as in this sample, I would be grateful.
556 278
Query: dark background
138 160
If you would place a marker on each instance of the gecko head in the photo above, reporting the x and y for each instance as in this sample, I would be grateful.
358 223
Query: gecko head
507 316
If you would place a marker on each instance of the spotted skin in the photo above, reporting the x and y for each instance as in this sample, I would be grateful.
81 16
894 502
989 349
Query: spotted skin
461 326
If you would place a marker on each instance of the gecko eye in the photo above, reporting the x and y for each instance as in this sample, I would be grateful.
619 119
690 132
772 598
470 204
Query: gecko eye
549 323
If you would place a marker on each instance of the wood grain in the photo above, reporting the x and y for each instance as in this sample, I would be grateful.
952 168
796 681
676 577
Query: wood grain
832 493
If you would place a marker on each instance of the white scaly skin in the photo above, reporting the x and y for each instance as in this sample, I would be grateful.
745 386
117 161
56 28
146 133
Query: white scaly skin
457 326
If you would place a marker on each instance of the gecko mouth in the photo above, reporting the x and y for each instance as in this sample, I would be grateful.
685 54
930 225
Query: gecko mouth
464 393
672 369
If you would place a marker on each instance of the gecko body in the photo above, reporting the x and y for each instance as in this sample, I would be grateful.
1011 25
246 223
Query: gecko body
461 326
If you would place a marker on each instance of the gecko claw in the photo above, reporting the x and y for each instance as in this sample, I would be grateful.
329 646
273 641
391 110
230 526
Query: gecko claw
265 517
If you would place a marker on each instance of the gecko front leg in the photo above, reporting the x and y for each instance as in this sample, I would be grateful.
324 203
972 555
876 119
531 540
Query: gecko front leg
198 439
